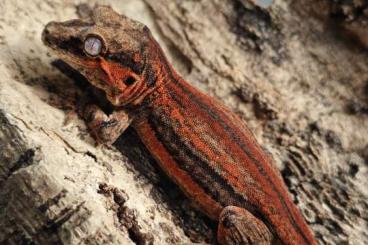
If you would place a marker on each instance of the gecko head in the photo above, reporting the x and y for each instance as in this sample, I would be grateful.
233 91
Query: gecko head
110 50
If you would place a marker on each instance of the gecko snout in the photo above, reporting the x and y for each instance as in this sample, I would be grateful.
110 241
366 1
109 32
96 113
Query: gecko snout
49 33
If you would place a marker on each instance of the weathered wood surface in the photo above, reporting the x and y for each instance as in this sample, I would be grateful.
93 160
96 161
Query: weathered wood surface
294 72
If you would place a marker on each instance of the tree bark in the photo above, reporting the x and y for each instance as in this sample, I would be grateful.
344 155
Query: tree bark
296 72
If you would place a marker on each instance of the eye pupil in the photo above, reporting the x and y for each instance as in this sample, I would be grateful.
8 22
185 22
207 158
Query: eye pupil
93 46
129 81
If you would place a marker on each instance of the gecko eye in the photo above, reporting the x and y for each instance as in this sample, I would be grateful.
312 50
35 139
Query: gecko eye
93 45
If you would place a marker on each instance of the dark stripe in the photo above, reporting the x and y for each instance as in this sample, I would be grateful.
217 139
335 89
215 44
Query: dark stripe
229 130
127 61
71 45
237 140
197 168
182 104
150 76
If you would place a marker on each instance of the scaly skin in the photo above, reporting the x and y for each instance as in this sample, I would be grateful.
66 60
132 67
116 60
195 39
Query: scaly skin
204 147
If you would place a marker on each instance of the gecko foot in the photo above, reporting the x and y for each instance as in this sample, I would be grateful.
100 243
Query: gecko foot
237 226
105 128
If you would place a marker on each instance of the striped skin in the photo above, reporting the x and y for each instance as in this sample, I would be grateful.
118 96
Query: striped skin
206 149
211 154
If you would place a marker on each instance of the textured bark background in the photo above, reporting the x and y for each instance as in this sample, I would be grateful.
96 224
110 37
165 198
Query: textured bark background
297 73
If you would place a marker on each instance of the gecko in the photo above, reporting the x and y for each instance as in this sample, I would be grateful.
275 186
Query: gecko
205 148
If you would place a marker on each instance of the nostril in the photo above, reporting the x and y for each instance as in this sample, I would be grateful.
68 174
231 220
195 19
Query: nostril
129 81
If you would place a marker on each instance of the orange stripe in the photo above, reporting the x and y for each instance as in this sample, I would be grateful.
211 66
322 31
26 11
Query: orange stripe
184 181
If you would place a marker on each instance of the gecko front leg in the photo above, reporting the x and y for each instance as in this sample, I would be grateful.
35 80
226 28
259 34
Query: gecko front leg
237 226
106 128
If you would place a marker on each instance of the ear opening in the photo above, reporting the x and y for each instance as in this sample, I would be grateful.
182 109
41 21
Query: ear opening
129 80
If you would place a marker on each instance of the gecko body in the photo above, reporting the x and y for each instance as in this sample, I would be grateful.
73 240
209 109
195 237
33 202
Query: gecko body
205 148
